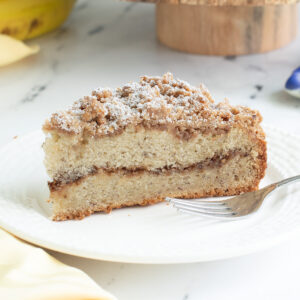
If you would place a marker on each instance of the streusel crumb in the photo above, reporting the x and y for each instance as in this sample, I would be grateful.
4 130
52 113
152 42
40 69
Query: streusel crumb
153 102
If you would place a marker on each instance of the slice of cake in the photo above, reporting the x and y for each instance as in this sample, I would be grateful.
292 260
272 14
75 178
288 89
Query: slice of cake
140 143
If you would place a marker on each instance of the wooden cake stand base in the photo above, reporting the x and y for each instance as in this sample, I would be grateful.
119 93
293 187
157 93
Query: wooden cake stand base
226 30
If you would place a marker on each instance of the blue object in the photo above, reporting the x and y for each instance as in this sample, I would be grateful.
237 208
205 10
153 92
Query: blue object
292 86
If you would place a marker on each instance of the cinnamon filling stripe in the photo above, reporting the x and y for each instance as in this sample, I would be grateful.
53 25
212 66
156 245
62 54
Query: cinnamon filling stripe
214 162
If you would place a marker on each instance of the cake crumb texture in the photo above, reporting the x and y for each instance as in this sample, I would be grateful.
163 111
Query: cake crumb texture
140 143
103 191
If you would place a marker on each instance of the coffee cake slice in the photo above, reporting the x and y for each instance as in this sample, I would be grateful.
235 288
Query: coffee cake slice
140 143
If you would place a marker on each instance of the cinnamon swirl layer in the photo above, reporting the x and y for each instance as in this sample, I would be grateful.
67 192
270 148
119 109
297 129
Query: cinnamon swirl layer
105 190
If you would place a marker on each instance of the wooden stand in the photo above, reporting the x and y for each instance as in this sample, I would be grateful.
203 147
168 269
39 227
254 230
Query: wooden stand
225 27
226 30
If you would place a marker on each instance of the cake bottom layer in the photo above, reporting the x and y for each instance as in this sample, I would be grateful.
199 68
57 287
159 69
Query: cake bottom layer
104 191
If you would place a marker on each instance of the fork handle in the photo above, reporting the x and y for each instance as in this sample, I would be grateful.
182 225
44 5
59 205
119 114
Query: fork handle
287 181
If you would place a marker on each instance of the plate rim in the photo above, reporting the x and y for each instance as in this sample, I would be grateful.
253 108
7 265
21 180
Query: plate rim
237 252
128 259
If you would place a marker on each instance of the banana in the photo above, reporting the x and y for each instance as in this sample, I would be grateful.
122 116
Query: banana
26 19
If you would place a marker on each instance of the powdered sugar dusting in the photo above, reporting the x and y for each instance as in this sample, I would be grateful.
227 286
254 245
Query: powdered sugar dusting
153 102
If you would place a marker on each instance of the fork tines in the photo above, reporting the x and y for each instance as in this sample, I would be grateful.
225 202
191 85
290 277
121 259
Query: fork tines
208 208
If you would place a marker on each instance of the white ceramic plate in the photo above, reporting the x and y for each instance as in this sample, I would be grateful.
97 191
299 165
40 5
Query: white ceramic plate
154 234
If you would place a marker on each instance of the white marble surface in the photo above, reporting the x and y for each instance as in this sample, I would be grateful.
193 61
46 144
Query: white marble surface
106 43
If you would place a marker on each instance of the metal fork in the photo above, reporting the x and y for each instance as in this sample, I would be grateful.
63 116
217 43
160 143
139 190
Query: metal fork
232 208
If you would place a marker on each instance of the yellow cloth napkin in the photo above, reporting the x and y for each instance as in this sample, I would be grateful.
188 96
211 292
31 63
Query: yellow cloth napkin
29 273
12 50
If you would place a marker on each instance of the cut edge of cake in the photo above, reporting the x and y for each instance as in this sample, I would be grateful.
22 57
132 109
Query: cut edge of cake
157 131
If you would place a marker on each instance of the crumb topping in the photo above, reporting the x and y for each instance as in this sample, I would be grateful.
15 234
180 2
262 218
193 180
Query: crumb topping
153 102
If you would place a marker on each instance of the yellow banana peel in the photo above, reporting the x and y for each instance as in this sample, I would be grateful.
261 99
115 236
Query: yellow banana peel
25 19
13 50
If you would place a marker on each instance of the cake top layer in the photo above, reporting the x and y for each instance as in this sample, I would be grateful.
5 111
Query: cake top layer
159 102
